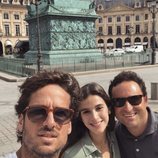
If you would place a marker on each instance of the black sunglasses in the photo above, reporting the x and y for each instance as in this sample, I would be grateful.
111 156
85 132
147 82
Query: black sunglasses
39 114
133 100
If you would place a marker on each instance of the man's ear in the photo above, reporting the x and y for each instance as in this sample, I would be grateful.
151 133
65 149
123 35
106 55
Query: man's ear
20 123
69 128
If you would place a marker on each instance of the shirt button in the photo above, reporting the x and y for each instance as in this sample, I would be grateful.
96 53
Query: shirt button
137 150
135 140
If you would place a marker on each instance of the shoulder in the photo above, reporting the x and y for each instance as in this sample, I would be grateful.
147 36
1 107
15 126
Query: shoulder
10 155
76 151
114 148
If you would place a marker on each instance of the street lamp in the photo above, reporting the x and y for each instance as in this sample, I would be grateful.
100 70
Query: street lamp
39 55
153 8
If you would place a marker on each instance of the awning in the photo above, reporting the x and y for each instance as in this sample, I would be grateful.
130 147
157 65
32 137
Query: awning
110 44
100 45
127 44
137 43
8 43
145 43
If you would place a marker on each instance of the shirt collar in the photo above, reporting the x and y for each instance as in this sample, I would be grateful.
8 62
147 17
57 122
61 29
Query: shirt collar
88 146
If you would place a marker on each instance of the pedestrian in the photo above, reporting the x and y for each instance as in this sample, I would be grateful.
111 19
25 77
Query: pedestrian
137 129
44 110
92 130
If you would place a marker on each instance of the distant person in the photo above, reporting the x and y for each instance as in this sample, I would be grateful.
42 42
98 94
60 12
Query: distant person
45 109
137 130
92 131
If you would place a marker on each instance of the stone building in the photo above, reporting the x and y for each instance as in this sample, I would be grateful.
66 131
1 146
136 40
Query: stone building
122 23
13 27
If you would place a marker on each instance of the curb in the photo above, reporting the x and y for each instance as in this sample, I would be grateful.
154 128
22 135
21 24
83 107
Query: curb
11 78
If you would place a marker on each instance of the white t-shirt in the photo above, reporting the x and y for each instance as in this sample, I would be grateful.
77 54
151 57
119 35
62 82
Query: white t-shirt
10 155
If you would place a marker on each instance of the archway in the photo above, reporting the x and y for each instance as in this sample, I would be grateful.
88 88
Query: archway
118 43
137 40
145 42
1 49
110 43
8 47
127 42
101 44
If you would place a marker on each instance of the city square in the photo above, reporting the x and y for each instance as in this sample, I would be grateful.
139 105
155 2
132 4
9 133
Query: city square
92 39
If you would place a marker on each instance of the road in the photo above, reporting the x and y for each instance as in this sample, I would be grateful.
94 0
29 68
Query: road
9 95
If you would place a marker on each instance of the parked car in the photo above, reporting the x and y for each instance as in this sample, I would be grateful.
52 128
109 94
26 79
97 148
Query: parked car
115 52
135 49
21 48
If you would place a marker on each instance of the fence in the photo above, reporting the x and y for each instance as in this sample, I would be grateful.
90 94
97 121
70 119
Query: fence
21 68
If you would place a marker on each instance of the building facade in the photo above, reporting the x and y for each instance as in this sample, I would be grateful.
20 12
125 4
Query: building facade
13 26
123 23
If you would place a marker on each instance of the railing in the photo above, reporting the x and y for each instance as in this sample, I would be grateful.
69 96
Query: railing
21 68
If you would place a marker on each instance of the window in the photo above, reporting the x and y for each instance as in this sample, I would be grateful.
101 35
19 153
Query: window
109 30
127 18
100 20
6 16
109 19
118 30
137 17
100 29
100 7
16 17
17 30
6 28
118 19
27 30
146 16
137 29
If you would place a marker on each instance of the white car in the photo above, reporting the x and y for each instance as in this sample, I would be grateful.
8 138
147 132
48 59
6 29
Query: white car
135 49
115 52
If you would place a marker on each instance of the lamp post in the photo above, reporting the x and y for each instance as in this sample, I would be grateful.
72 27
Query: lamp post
153 8
38 38
36 3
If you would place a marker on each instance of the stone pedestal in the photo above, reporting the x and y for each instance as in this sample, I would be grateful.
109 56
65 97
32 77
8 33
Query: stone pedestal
67 29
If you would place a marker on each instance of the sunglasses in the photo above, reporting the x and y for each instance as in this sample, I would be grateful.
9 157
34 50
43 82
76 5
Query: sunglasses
133 100
39 114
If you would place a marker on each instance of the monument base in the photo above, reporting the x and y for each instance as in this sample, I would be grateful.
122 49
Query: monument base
66 56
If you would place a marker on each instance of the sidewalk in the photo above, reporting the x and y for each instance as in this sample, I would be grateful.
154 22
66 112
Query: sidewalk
10 78
13 78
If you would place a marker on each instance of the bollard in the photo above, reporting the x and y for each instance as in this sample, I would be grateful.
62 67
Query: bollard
154 91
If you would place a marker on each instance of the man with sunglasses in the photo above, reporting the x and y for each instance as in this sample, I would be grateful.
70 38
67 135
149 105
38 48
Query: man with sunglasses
44 110
137 128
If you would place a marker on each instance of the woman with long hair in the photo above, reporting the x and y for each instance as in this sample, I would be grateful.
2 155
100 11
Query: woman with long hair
92 127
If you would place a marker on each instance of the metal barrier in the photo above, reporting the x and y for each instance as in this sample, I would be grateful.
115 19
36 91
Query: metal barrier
20 67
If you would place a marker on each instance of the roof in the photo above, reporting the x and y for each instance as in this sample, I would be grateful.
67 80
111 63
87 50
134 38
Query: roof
110 3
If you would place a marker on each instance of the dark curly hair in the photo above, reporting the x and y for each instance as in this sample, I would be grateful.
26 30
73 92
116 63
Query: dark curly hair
39 80
127 76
